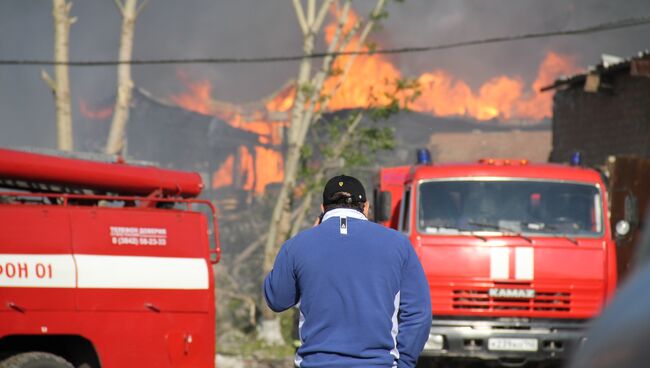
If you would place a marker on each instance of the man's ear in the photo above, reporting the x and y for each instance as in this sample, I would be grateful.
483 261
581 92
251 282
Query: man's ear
322 208
366 208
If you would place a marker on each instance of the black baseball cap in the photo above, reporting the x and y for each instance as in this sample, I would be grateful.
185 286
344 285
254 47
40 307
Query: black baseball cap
348 185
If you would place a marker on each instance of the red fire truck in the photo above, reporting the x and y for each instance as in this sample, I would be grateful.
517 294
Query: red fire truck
104 265
518 256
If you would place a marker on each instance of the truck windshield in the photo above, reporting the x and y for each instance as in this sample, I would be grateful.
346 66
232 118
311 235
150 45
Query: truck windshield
512 206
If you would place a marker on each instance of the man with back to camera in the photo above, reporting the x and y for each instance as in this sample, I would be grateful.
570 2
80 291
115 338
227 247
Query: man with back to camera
363 297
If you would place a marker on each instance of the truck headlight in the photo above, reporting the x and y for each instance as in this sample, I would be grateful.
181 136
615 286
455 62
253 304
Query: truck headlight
435 342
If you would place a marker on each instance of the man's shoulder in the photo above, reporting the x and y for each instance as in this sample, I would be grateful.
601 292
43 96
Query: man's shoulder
303 237
381 230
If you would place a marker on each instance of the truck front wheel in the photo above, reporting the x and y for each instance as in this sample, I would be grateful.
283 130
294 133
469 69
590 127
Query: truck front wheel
35 359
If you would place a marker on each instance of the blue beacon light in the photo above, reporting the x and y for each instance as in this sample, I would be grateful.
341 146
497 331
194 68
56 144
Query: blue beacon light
576 158
423 156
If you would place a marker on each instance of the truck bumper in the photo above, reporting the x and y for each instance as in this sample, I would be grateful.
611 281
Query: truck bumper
516 341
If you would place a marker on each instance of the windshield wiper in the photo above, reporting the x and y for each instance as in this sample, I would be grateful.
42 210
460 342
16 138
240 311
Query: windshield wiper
555 235
459 230
502 229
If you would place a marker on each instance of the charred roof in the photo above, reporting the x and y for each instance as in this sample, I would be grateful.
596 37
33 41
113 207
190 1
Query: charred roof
638 65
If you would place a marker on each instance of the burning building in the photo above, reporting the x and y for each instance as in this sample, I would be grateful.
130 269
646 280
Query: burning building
603 112
226 156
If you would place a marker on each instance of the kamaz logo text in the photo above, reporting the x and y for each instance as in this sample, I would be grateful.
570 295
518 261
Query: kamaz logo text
511 293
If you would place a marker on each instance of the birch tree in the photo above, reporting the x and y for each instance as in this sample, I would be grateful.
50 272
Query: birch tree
60 85
129 10
310 101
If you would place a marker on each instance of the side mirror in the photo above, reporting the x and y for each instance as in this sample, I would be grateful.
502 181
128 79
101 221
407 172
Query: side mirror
382 206
622 228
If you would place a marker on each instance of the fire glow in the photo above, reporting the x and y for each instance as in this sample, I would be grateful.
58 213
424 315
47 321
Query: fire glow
95 114
370 78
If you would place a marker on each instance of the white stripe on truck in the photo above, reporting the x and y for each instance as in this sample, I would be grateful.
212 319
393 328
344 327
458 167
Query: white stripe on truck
37 270
103 272
524 263
499 263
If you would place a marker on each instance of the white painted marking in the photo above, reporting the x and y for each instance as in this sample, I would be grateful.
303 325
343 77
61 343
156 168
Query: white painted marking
524 263
129 272
395 329
123 235
344 225
102 271
499 263
37 270
298 359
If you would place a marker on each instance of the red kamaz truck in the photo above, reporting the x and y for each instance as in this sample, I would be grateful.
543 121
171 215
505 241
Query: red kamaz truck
518 256
104 265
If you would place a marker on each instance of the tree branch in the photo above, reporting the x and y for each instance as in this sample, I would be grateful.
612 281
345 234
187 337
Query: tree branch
319 78
252 306
376 12
320 18
311 12
140 7
348 65
300 14
247 252
120 6
48 80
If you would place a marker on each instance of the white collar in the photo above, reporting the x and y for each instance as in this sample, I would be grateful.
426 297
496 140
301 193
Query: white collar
343 212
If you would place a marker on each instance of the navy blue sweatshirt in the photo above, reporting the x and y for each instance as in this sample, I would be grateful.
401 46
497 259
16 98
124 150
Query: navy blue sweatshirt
362 294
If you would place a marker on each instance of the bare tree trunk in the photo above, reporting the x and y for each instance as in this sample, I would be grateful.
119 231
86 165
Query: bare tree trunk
129 11
60 85
310 22
308 105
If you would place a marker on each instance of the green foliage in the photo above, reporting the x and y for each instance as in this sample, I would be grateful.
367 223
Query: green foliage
362 143
307 90
381 15
248 347
335 71
245 344
288 324
371 46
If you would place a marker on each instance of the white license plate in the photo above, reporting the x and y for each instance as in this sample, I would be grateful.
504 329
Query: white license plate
512 344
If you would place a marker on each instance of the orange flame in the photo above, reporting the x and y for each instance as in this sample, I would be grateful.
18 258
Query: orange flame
369 78
254 169
223 176
442 94
501 97
100 114
198 97
283 101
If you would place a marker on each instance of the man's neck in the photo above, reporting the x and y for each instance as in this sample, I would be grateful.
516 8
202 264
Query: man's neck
343 212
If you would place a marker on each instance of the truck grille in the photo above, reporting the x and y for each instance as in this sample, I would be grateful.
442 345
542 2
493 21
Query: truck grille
479 300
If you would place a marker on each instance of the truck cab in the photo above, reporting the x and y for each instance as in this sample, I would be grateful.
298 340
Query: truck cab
104 264
518 256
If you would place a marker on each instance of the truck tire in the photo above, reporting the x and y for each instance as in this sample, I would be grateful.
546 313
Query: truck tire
35 359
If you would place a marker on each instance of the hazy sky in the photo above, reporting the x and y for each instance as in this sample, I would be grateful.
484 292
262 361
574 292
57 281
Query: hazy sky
247 28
